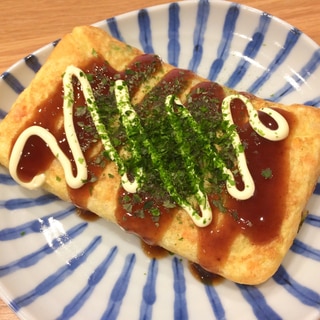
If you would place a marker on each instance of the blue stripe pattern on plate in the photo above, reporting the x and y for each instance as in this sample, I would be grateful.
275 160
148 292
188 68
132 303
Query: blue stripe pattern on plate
12 82
317 189
2 114
233 13
33 62
198 35
314 102
179 287
18 203
302 293
5 179
306 250
279 59
75 305
113 29
56 278
250 51
303 74
313 220
33 226
145 35
258 303
149 295
34 257
119 290
215 302
174 47
225 42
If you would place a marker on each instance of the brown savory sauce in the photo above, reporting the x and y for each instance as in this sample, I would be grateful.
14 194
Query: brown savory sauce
153 252
86 215
258 218
140 220
204 276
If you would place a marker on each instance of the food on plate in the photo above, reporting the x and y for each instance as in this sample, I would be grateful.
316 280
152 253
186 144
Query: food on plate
206 172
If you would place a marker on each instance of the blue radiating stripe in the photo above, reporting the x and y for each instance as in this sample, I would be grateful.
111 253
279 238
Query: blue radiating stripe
21 203
114 30
7 180
145 35
2 114
305 250
302 293
56 278
173 34
300 77
149 291
55 42
198 34
119 290
75 305
12 82
312 220
32 62
291 40
215 302
179 287
32 258
34 226
250 51
258 303
315 102
317 189
225 43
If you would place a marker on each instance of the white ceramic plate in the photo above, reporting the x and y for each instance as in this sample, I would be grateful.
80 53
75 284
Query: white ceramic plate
54 265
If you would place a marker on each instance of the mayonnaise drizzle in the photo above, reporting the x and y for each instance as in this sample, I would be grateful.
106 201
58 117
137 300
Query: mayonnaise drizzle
50 140
129 120
273 135
80 179
81 165
280 133
200 196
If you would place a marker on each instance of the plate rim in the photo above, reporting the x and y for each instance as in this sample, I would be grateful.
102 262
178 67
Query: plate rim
48 46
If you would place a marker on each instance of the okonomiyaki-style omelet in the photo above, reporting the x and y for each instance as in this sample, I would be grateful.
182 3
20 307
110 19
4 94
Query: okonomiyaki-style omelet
217 176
